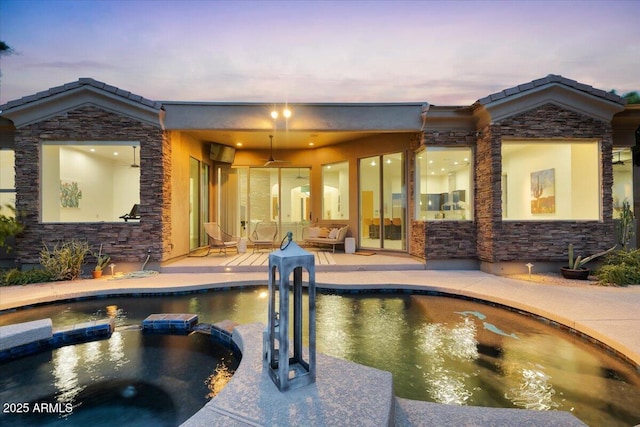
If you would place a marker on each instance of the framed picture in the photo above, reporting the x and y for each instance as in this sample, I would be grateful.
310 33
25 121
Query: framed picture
543 193
70 194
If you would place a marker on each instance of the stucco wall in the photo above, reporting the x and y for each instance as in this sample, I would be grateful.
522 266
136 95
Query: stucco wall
132 240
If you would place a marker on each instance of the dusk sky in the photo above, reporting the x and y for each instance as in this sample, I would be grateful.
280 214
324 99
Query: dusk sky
446 53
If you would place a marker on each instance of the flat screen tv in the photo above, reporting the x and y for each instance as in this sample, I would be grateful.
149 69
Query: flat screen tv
222 153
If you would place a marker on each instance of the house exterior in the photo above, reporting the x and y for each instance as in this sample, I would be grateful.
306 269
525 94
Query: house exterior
511 179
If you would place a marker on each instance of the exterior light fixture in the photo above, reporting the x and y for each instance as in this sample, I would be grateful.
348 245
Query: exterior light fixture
286 113
286 363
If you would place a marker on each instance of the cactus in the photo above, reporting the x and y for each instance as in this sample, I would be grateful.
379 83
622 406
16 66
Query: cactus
571 256
579 261
101 260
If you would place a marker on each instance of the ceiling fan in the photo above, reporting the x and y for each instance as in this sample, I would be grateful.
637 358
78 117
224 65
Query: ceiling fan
300 176
134 165
619 161
272 159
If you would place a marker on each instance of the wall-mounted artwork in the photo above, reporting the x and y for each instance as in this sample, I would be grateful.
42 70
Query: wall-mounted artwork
543 192
70 194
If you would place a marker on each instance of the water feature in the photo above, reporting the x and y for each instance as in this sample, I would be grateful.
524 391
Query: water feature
438 349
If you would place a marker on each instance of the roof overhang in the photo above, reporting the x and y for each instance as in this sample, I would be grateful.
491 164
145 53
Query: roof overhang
494 109
321 123
42 108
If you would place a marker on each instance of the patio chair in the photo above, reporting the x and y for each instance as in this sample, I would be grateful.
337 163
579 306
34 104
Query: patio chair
133 214
218 239
264 235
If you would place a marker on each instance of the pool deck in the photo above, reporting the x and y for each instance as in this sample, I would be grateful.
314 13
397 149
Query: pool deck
610 315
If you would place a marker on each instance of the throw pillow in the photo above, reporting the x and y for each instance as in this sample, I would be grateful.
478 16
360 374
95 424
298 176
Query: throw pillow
333 233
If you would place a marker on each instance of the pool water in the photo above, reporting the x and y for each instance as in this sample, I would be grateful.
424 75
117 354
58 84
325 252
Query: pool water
131 379
438 349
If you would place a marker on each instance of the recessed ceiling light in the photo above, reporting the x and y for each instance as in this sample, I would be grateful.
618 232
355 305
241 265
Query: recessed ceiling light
311 144
115 153
238 144
93 150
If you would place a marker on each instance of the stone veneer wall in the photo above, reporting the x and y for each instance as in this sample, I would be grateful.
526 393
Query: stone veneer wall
126 242
444 240
538 240
487 202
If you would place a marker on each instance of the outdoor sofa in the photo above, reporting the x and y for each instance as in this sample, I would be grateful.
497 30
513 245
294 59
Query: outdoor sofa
332 235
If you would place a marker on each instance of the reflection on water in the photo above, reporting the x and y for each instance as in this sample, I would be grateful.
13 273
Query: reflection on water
438 349
65 364
443 345
534 390
116 350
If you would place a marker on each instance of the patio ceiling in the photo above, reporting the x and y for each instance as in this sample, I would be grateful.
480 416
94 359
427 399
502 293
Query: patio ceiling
283 140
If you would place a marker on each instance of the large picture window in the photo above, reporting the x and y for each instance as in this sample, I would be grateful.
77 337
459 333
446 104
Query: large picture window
7 180
335 191
550 180
622 179
444 184
89 181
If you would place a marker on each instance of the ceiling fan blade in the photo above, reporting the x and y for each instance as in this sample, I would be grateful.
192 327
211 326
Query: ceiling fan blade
272 159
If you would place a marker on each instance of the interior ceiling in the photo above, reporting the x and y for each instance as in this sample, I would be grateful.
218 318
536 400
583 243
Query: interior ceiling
282 140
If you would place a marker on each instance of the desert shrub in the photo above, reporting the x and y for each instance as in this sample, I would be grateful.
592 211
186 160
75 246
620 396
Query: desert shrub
64 261
15 277
620 268
9 226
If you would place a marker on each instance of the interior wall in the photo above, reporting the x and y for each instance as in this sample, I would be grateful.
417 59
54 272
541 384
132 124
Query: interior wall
577 193
109 190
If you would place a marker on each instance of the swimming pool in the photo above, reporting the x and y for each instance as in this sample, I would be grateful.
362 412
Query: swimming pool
438 348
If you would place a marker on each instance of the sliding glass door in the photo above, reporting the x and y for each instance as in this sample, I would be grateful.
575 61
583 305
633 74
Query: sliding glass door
248 196
383 202
198 202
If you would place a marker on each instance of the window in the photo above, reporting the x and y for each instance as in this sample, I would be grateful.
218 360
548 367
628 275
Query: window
550 180
444 184
89 181
622 179
7 180
335 191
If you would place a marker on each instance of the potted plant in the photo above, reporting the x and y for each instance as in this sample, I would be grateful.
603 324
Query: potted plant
101 262
575 269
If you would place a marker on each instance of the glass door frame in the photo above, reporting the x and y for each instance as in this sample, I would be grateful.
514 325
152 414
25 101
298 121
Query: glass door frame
383 221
